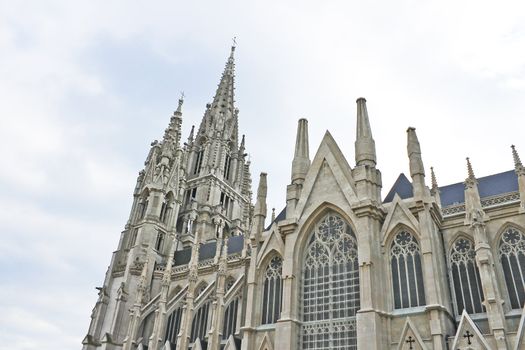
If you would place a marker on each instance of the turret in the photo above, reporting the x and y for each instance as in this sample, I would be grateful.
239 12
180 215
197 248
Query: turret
365 148
301 159
417 170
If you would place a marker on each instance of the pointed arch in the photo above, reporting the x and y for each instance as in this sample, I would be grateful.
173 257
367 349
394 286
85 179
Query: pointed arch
398 215
511 253
313 219
464 275
329 285
406 270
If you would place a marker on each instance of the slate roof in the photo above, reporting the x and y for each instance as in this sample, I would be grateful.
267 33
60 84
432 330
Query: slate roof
207 250
455 194
281 216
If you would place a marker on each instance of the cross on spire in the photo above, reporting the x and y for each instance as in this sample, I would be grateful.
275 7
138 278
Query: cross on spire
468 336
410 341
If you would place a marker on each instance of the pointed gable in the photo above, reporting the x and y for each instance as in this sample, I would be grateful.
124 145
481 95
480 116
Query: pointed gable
410 338
230 344
398 214
468 335
265 344
197 345
329 175
272 242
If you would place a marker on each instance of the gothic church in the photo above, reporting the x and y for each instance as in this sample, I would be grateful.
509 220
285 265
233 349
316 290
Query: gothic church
198 266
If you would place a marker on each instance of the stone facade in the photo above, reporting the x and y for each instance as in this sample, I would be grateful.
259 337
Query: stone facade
426 267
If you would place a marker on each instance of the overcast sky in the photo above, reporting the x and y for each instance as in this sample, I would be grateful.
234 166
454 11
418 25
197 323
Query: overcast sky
86 86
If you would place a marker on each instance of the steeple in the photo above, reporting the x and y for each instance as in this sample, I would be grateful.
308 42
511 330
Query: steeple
365 149
417 170
221 115
301 159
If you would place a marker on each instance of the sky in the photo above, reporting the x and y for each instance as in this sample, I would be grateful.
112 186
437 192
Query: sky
85 86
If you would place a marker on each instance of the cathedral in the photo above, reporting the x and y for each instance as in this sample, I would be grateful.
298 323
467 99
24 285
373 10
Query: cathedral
200 266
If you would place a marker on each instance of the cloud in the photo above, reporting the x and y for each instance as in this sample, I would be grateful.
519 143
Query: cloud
87 85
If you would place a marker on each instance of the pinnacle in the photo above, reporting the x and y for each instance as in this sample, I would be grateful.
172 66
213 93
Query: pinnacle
434 180
517 160
365 149
471 175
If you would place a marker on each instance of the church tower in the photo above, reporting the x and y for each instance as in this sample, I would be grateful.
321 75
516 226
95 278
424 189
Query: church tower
188 201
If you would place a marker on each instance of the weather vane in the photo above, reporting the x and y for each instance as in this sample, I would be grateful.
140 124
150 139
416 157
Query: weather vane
182 95
234 41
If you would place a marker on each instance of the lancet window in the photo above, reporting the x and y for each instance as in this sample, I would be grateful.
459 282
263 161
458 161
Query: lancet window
407 274
173 326
272 291
230 319
198 163
160 241
466 282
330 286
512 256
199 325
227 165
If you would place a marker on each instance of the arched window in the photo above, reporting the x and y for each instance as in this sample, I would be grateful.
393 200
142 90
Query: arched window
512 256
173 326
466 282
230 319
407 275
199 325
330 286
273 291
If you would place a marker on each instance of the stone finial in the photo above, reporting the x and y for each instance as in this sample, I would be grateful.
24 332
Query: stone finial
301 159
471 178
179 107
243 144
365 149
414 153
470 172
517 161
434 180
273 214
417 170
192 133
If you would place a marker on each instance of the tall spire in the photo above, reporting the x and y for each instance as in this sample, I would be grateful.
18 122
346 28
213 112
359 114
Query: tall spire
365 149
221 113
417 170
471 178
301 159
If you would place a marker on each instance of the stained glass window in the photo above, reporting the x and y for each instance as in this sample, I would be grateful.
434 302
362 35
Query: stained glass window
512 256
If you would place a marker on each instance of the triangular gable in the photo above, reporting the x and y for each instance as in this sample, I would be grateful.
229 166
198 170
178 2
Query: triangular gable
398 214
230 344
410 338
272 242
166 346
468 336
265 344
328 155
197 345
520 341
